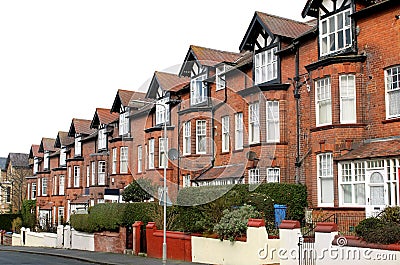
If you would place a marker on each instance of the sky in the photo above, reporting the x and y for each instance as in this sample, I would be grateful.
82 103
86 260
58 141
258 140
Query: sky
61 60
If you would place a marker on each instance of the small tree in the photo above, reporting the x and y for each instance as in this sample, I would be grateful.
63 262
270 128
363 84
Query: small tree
29 213
138 191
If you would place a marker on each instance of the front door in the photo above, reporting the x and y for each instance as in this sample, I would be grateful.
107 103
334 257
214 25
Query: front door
375 192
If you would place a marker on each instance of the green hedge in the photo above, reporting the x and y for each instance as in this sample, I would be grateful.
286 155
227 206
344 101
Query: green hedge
28 213
6 221
204 213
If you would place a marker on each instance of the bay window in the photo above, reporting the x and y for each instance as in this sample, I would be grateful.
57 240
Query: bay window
347 98
273 175
225 134
123 167
114 161
77 176
101 174
254 176
187 138
139 158
151 154
44 186
163 149
239 131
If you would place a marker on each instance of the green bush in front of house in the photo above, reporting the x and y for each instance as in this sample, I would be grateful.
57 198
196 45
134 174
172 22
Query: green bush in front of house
28 213
82 222
200 214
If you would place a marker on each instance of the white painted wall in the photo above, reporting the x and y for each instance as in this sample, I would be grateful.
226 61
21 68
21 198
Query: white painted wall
215 251
82 241
16 240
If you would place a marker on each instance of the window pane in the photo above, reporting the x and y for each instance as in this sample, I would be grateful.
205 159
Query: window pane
347 196
326 190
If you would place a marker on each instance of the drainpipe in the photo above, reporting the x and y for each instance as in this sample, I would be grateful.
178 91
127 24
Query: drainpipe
297 86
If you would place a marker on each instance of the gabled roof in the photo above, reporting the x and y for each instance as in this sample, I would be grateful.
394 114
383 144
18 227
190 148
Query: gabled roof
103 116
375 149
79 126
18 160
34 152
206 57
3 161
273 25
63 139
167 82
47 144
124 98
222 172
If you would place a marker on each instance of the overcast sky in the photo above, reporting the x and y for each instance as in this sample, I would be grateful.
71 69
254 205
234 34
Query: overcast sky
61 59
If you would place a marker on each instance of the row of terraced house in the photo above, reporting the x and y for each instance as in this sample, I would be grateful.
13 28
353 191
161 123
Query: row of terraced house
314 102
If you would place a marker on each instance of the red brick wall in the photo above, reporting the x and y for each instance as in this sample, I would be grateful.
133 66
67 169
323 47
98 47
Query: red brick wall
178 244
110 241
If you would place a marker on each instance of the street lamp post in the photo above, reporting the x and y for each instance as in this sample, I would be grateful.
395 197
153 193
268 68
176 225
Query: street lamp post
164 194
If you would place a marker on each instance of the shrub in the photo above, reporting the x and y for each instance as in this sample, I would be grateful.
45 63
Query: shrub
138 211
17 225
391 215
388 233
28 213
367 226
139 191
107 216
82 222
234 223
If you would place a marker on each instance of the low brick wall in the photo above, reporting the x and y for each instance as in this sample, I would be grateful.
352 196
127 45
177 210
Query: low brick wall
178 244
110 241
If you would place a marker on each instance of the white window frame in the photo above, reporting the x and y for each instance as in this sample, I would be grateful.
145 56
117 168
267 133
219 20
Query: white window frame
124 121
69 177
33 191
329 33
123 160
63 156
162 154
102 139
162 110
114 160
61 185
151 153
273 122
60 214
325 173
140 159
198 90
78 146
35 165
187 134
273 175
44 186
87 176
265 66
220 77
55 184
254 123
201 136
347 87
93 167
254 176
38 188
77 176
186 181
239 131
392 84
323 98
101 174
225 133
46 160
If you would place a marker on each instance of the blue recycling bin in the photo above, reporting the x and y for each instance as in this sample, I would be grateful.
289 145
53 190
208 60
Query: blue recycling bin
280 213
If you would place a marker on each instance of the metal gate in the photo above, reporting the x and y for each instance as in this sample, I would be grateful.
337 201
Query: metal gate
307 255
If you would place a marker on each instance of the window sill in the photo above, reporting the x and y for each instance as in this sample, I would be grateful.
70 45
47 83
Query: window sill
391 120
337 126
237 150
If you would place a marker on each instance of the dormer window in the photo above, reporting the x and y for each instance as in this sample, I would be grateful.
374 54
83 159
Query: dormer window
220 79
335 32
78 146
266 66
124 122
63 157
198 90
162 110
102 139
46 163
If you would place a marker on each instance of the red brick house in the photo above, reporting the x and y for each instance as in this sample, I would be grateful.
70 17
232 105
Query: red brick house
352 127
120 140
77 199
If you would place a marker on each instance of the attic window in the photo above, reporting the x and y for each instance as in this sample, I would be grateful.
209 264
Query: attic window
266 66
220 76
335 32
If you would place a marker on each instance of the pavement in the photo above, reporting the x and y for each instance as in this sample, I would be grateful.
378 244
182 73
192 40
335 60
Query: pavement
93 257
